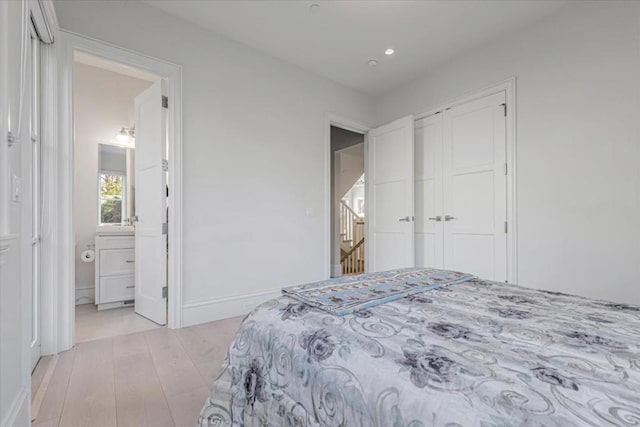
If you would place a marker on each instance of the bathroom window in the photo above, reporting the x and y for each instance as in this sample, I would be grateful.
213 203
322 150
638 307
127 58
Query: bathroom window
112 196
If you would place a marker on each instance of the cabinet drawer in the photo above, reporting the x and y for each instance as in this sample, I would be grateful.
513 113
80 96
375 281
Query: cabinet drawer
116 262
115 242
114 289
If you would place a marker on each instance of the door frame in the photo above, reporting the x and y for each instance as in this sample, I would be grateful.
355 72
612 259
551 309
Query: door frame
64 302
507 86
353 126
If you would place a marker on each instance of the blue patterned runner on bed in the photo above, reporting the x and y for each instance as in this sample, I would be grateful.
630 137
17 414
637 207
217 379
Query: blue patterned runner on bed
347 294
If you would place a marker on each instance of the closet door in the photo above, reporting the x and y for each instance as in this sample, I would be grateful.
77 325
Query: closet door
428 192
475 188
390 196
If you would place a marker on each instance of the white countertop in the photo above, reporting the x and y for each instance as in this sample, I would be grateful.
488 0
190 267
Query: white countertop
114 230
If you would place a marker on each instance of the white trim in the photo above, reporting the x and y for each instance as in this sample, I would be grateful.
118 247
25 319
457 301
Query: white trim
353 126
69 43
4 107
44 20
509 87
85 295
49 226
208 310
18 406
336 270
38 398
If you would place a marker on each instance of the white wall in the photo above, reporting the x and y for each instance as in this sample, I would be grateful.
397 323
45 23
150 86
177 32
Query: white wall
103 104
351 162
252 126
578 142
355 192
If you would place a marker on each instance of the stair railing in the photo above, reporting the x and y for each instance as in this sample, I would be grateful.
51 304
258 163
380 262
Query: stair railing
353 261
348 223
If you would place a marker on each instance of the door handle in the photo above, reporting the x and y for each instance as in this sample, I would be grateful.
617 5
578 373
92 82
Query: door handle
405 219
449 218
129 261
131 287
435 218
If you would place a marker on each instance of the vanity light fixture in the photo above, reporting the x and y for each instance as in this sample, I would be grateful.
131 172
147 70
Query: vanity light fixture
126 136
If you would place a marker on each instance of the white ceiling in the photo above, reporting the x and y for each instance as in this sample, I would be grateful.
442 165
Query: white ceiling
338 40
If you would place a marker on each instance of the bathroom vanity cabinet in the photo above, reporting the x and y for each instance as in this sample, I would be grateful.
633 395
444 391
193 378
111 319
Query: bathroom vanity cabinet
115 266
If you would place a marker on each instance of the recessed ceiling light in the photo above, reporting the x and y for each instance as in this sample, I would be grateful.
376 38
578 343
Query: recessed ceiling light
314 8
372 62
389 51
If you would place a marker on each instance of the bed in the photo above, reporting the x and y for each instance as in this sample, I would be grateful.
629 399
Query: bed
466 353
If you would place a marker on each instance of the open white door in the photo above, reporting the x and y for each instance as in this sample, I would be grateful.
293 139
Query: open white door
151 206
31 206
390 198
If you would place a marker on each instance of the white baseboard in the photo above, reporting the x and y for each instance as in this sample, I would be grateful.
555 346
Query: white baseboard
336 270
18 413
85 295
203 311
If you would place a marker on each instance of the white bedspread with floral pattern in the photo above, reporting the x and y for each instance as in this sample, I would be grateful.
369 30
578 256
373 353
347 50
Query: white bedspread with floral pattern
477 353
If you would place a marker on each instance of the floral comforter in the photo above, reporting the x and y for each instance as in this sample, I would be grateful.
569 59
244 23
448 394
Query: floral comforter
477 353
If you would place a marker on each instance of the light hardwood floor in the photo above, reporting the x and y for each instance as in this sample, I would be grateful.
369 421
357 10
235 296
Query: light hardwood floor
159 377
92 324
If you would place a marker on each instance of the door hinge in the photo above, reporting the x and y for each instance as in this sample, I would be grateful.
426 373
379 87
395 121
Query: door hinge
165 165
165 292
165 228
505 169
11 139
165 101
506 227
504 106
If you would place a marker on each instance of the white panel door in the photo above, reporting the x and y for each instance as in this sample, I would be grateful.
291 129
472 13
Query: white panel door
428 192
475 188
390 210
31 199
151 205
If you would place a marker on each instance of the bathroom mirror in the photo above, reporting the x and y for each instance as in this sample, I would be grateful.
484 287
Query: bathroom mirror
115 185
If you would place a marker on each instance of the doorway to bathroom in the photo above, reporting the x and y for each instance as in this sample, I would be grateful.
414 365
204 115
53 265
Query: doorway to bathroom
120 203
